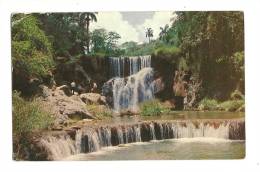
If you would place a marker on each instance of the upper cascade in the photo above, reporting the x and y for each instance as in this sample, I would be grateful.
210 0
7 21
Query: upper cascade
125 66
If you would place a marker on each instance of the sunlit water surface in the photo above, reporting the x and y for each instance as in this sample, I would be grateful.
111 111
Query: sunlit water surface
186 148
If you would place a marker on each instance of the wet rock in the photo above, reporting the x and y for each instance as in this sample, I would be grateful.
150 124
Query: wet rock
158 129
145 132
237 130
159 85
114 136
128 113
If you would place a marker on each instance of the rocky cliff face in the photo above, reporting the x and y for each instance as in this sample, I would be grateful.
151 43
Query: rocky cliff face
164 68
85 70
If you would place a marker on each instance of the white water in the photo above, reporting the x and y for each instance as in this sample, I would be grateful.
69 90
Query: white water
125 66
59 147
92 140
129 92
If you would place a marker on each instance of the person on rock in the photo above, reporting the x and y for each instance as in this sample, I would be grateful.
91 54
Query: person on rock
79 89
73 87
94 87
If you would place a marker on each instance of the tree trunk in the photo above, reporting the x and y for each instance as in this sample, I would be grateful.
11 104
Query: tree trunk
87 35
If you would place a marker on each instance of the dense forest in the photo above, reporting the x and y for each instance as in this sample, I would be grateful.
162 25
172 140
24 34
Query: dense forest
209 45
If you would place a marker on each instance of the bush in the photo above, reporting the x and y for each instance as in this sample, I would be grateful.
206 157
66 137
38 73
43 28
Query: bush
237 95
208 104
28 116
166 50
153 108
232 105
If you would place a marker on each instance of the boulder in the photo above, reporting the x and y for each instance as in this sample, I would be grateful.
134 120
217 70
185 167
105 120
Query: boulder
64 107
44 91
65 89
128 112
93 98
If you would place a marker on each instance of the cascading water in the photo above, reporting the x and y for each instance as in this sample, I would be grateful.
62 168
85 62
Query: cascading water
125 66
93 139
128 92
131 83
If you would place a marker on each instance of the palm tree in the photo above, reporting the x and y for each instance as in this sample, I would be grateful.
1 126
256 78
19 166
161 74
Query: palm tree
84 20
149 34
163 33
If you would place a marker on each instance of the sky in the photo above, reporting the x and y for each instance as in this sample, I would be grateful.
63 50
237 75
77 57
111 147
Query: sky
131 26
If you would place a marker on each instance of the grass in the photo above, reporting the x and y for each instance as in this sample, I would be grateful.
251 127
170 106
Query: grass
100 111
208 104
153 108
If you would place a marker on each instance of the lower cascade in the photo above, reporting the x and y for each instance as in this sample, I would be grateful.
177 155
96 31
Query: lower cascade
90 139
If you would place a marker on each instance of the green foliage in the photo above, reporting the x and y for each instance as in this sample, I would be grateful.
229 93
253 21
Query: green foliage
29 116
232 105
229 105
104 42
166 51
153 108
212 44
208 104
99 111
134 49
31 49
69 32
237 95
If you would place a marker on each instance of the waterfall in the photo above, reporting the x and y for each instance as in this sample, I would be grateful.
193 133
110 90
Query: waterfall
131 82
89 139
128 92
125 66
58 147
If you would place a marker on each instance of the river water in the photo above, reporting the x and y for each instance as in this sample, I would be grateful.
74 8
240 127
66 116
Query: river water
172 149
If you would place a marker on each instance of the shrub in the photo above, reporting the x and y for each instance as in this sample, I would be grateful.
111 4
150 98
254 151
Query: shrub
28 116
237 95
232 105
166 50
152 108
100 111
208 104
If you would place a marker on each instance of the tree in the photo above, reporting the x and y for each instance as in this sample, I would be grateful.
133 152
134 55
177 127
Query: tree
84 22
149 34
32 56
112 41
104 42
163 35
98 40
208 40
